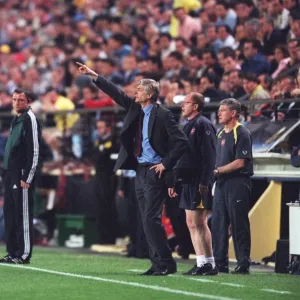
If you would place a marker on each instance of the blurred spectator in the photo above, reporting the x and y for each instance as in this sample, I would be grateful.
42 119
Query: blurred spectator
254 61
224 33
167 45
236 84
196 65
245 11
240 36
291 5
208 88
129 66
270 36
212 39
108 68
211 63
280 60
188 26
177 68
279 14
253 87
266 81
226 16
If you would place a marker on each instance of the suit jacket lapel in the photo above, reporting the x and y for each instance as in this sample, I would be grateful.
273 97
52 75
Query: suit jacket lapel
131 117
152 119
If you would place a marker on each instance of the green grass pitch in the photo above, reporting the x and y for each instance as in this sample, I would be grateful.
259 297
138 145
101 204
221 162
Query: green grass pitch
67 274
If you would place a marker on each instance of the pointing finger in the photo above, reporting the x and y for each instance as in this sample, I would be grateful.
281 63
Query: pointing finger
81 65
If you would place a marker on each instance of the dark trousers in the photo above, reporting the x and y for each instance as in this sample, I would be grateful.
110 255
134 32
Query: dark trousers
151 192
106 215
18 216
138 246
231 206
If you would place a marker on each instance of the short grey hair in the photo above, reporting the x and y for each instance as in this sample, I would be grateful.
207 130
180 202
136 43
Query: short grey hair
232 104
151 88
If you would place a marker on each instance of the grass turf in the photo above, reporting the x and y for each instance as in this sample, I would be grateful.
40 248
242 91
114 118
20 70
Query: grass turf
22 283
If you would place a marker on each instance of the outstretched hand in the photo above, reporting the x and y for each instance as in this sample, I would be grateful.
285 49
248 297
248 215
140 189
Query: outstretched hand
85 70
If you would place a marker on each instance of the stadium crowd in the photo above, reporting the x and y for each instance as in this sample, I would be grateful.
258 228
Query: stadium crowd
248 50
245 49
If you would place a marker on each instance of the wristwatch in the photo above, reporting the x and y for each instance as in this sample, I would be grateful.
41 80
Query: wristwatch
217 172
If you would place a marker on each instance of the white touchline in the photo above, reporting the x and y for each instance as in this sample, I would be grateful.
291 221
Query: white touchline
186 277
135 284
232 284
276 291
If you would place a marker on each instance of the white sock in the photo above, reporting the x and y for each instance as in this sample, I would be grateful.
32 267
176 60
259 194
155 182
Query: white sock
210 260
200 260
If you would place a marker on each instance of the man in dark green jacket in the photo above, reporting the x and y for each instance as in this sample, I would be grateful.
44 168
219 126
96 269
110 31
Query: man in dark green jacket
21 159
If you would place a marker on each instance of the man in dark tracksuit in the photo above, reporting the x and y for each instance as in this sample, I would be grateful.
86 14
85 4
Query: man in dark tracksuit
21 159
106 214
234 166
195 173
151 143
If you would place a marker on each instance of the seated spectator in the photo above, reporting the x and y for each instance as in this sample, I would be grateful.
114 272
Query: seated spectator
211 63
227 59
129 67
53 102
252 29
245 10
176 65
253 87
226 15
119 46
182 46
271 37
295 25
196 65
166 44
108 68
225 36
279 14
91 98
187 26
240 37
236 84
293 6
208 88
296 92
254 61
212 39
280 61
266 81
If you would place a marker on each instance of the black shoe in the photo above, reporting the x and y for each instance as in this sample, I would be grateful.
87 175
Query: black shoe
241 270
205 270
6 259
189 272
222 269
165 272
149 272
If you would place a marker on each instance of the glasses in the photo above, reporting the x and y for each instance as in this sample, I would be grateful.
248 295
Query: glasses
184 103
222 110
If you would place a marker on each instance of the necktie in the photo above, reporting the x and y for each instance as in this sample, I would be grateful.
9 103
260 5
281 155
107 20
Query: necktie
139 135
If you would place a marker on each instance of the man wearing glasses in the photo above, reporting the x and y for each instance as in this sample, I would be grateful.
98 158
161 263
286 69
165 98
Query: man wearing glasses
194 174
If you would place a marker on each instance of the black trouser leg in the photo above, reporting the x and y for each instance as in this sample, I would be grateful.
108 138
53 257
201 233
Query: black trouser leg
151 192
106 212
220 224
18 215
238 208
9 217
